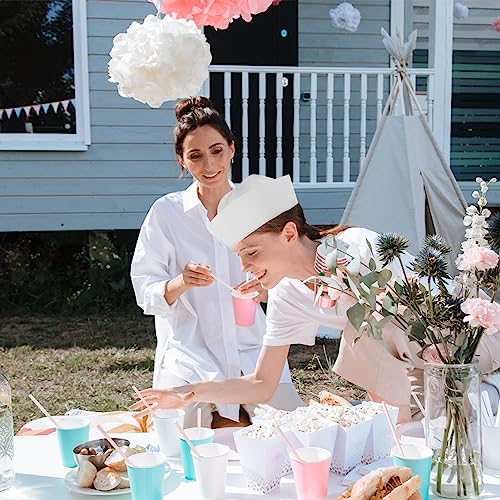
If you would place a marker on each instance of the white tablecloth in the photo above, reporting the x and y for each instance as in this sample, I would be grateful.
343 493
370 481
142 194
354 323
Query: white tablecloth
40 476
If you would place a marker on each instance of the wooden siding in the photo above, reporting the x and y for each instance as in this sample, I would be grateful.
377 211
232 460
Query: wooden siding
128 165
471 33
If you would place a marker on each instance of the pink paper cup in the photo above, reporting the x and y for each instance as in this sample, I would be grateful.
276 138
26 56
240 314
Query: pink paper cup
244 308
311 475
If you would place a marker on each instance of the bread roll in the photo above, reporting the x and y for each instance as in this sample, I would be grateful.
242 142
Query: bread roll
86 474
125 483
116 461
107 479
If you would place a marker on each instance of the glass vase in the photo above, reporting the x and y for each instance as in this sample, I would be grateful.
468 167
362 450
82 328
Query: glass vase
453 429
6 436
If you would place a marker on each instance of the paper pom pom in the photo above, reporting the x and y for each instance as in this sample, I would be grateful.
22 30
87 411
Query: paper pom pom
159 60
216 13
460 10
345 17
495 24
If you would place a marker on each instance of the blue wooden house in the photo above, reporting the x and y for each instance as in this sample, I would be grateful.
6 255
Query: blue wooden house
303 99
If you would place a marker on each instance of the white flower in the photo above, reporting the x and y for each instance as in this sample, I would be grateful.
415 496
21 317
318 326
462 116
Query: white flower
471 210
476 194
479 220
159 60
493 180
482 202
479 180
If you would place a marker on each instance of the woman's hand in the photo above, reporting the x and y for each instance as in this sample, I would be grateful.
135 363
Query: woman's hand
251 287
161 398
196 275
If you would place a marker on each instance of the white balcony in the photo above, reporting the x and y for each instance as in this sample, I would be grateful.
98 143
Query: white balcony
314 123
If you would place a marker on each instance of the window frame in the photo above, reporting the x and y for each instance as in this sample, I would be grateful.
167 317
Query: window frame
64 142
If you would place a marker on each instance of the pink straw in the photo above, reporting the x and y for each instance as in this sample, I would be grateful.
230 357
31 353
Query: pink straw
111 441
44 411
144 402
188 441
289 444
393 429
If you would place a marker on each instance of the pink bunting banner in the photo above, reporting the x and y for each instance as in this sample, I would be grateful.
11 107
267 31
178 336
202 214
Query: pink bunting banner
37 108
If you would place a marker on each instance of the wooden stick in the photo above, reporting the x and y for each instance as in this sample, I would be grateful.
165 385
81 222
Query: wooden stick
112 442
188 441
419 404
289 444
393 429
44 411
144 402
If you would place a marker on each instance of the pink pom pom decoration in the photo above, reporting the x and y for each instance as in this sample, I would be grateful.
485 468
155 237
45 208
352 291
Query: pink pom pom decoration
495 24
216 13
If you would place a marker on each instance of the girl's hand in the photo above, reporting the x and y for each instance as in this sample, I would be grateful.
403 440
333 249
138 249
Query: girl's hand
161 398
195 275
251 287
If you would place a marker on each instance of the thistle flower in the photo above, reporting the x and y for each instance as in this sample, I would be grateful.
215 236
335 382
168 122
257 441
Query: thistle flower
437 243
494 231
430 263
390 246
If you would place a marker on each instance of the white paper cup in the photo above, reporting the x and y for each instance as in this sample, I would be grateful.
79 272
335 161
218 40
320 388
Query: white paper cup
166 432
491 447
210 470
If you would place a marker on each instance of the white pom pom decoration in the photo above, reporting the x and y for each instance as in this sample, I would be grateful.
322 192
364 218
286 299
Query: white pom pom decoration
345 17
159 60
460 10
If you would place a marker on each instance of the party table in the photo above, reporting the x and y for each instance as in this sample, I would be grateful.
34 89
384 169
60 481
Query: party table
40 476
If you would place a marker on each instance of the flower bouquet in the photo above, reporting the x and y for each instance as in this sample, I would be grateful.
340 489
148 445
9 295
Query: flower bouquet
446 317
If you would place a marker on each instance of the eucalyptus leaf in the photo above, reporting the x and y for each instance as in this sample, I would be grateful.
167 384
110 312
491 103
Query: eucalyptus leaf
417 331
354 266
389 305
384 277
370 278
353 287
356 315
372 264
371 249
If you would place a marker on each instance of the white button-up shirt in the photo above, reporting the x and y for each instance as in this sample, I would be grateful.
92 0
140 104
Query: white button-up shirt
197 338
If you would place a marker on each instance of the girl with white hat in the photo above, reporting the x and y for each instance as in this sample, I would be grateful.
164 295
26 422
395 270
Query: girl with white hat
263 222
173 269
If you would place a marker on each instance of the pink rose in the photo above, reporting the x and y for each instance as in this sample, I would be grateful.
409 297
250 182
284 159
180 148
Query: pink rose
482 313
495 24
479 258
431 354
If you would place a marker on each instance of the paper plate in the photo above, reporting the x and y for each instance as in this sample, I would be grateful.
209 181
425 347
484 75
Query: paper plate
71 484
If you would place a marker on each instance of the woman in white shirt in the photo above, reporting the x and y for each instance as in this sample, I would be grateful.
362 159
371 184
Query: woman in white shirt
276 244
173 266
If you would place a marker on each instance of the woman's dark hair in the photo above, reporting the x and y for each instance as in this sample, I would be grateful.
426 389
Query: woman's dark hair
296 215
194 112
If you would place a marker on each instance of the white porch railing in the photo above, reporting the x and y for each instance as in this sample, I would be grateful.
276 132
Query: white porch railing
314 123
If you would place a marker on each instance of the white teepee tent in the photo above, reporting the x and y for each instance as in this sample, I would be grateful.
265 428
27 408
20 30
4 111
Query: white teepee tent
405 185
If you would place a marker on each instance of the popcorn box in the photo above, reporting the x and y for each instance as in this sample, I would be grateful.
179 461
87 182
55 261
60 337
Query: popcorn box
316 435
263 457
380 440
352 435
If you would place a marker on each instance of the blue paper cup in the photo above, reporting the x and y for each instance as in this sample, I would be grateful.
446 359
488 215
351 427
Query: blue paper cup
419 459
146 473
196 436
72 431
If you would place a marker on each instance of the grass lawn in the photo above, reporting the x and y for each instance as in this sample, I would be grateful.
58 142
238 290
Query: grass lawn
91 362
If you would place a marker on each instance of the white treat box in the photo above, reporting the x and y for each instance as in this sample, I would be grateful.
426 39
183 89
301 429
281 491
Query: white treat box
321 438
263 461
380 440
350 442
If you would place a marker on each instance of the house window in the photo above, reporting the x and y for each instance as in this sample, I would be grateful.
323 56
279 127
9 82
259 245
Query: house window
43 75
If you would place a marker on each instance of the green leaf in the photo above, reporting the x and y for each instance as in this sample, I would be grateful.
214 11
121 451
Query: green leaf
356 315
416 331
389 305
399 288
353 287
384 277
371 249
370 278
372 265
